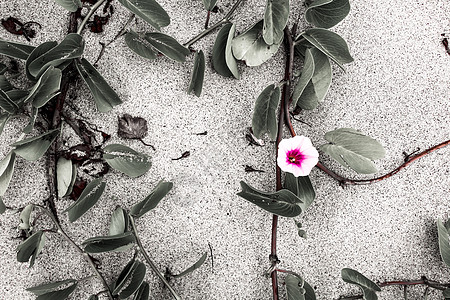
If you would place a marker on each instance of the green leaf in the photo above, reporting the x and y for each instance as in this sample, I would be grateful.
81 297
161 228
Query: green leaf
3 69
65 173
87 199
49 287
17 96
198 74
327 13
251 47
330 43
119 222
264 116
124 276
45 88
7 104
310 294
6 171
70 5
283 202
139 45
30 125
143 293
100 244
104 96
444 245
305 77
2 206
353 149
149 10
126 160
136 279
60 294
367 286
301 187
38 52
294 287
276 16
31 247
168 46
152 200
446 293
193 267
33 148
309 96
71 47
222 57
16 50
4 84
209 4
4 118
25 218
93 297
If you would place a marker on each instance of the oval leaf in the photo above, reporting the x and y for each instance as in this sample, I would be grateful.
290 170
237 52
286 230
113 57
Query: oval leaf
276 16
294 287
167 45
149 10
152 200
70 5
119 222
219 52
6 171
444 244
193 267
16 50
71 47
264 116
309 96
139 45
305 77
87 199
354 150
25 218
33 148
49 287
100 244
198 74
64 176
4 84
59 295
126 160
31 247
283 203
302 187
37 52
251 47
143 293
7 104
330 43
45 88
105 97
137 277
327 13
367 286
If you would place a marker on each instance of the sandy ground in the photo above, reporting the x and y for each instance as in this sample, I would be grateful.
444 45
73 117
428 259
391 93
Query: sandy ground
397 91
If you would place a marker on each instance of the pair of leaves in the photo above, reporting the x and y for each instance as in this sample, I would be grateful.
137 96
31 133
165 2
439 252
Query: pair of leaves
120 224
198 74
105 97
15 50
31 247
276 16
223 60
88 198
264 116
6 171
54 290
53 54
45 88
298 289
368 287
444 244
251 47
126 160
66 174
70 5
100 244
354 150
33 148
314 81
328 42
167 45
148 10
283 202
129 280
301 187
152 200
327 13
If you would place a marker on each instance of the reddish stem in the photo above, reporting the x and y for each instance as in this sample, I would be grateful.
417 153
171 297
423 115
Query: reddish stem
346 181
207 19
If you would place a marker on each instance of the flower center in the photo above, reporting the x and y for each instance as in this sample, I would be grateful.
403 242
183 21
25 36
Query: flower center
295 157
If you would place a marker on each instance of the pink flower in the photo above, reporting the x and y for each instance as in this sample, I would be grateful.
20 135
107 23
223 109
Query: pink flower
297 155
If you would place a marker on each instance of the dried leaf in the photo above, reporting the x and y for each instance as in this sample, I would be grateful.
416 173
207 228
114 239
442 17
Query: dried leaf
132 127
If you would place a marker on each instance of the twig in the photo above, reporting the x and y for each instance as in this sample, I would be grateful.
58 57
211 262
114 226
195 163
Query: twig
212 256
346 181
149 260
208 15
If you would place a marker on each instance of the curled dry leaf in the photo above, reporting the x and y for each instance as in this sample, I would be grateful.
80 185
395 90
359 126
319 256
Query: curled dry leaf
132 127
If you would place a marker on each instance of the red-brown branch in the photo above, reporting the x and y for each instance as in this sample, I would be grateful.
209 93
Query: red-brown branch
346 181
